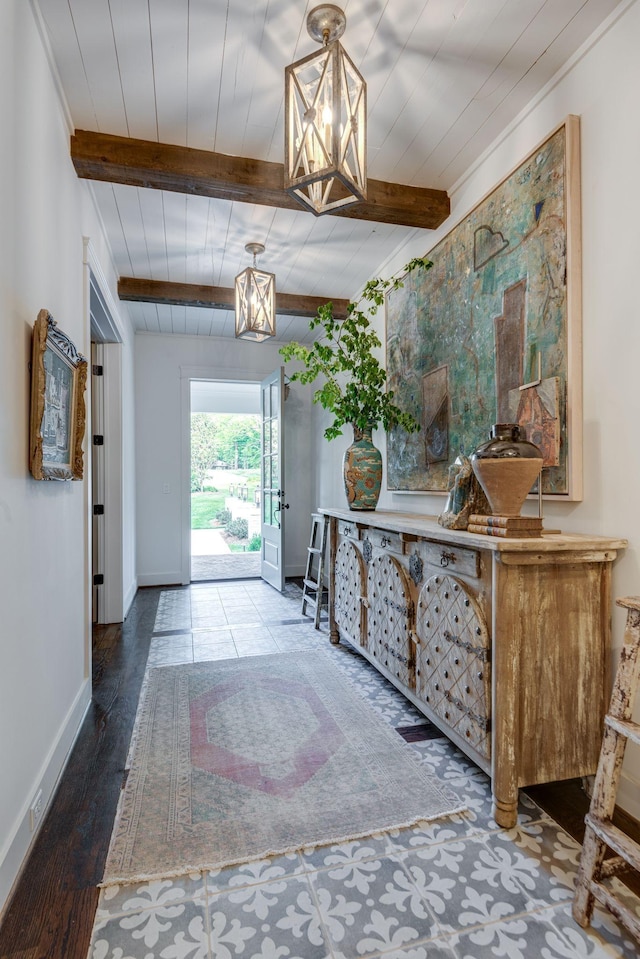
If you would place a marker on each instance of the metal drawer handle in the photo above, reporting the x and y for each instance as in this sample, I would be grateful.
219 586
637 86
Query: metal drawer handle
446 558
481 721
385 541
405 610
482 652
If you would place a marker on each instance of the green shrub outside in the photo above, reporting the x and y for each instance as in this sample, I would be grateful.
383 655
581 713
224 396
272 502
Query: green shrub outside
239 528
255 543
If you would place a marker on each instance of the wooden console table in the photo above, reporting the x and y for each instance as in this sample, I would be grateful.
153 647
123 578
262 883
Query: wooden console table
502 643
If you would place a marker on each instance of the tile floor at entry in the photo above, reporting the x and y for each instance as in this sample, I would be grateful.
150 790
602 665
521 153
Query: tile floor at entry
458 888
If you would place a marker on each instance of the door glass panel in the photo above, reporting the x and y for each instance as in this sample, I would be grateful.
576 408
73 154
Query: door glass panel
273 521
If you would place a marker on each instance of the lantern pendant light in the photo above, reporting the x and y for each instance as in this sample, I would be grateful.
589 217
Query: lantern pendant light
325 121
255 300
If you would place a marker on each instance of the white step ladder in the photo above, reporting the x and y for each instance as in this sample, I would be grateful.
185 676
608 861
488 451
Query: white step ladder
312 589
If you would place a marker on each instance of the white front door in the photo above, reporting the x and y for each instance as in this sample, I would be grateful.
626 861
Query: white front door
272 499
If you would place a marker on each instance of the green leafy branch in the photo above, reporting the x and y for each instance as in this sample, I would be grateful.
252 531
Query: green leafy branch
354 388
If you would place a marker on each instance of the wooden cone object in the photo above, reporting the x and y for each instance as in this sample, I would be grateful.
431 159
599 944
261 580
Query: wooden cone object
506 467
507 482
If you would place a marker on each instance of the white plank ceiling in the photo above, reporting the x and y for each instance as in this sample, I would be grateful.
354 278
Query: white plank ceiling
444 77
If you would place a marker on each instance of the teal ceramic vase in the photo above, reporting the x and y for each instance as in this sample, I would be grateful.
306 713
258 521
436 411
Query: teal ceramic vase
362 469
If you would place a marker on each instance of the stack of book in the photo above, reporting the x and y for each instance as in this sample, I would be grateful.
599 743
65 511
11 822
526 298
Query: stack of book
507 526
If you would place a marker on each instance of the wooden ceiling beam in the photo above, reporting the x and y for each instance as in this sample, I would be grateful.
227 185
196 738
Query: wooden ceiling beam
218 297
162 166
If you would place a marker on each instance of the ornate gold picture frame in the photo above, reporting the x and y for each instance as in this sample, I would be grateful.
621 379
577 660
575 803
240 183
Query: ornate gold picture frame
58 382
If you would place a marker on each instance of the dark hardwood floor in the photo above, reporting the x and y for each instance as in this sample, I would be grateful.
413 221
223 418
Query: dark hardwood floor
51 912
50 915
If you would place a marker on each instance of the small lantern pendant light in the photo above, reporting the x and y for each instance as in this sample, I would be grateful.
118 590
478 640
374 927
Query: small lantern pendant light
325 121
255 300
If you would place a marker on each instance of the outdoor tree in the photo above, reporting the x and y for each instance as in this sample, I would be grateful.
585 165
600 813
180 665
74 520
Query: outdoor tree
204 448
238 441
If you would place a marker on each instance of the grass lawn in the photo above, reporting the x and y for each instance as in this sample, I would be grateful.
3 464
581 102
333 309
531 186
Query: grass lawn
205 507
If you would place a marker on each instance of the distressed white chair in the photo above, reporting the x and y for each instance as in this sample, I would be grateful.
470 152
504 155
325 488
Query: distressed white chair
600 831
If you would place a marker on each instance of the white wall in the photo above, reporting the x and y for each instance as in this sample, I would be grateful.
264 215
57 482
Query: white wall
44 595
164 365
600 85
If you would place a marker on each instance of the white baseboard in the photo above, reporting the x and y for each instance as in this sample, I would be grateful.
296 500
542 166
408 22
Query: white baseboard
295 570
129 597
160 579
16 849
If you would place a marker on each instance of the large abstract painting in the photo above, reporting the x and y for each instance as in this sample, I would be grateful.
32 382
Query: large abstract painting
492 333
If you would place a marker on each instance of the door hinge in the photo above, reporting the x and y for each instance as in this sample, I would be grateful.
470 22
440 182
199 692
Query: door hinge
98 509
98 440
98 579
97 370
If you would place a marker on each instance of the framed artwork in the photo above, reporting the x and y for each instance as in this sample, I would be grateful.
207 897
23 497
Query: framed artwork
58 381
492 332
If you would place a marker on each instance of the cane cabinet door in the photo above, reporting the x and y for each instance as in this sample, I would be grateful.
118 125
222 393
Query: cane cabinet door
390 618
452 659
349 588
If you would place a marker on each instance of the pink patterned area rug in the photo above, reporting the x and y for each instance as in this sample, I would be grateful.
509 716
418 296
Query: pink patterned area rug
238 759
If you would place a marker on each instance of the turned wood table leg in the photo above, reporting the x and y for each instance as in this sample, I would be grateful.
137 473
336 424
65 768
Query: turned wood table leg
334 635
505 812
508 588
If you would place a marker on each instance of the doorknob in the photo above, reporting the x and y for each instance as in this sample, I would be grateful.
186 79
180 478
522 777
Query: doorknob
280 505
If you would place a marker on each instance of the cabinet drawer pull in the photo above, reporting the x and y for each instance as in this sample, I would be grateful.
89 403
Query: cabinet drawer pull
446 558
385 541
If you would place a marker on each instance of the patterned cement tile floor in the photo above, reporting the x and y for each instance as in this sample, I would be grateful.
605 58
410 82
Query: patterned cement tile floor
457 888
